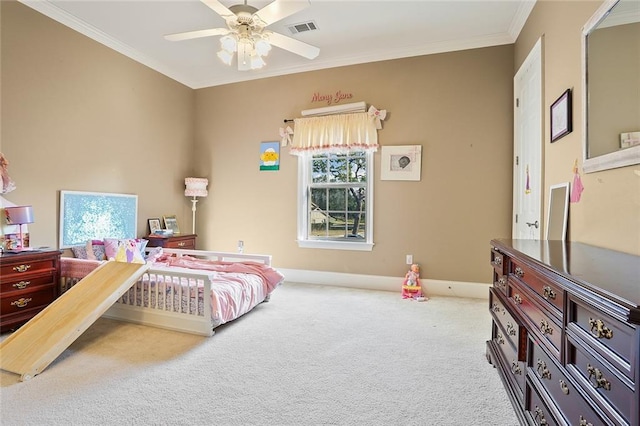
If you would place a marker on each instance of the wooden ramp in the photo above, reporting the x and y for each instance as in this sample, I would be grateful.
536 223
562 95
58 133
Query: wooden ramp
35 345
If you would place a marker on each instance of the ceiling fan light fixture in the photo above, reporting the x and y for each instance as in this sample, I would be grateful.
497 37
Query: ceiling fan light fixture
229 43
262 47
257 62
225 56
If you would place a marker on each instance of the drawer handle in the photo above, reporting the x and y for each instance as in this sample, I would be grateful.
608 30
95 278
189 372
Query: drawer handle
519 272
598 379
22 268
503 281
539 414
500 339
497 261
22 302
511 329
542 370
181 244
599 330
564 387
583 422
496 308
22 284
517 299
515 368
548 293
545 327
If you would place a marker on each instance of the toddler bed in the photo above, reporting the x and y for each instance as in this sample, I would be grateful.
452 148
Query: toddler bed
191 291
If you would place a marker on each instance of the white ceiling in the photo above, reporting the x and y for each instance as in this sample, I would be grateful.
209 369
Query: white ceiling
349 32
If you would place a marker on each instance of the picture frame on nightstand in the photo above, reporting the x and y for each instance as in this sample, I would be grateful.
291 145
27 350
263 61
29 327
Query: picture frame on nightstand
154 225
171 222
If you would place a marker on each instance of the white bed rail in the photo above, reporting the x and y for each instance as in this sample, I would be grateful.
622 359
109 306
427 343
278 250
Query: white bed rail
165 297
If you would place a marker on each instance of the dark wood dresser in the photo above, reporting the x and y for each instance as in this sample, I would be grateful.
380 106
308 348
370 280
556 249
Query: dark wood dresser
28 283
187 241
565 335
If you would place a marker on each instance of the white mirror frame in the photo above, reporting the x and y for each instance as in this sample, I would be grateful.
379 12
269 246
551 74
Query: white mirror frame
558 194
620 158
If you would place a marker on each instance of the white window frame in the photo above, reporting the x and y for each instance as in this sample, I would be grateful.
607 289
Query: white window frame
304 177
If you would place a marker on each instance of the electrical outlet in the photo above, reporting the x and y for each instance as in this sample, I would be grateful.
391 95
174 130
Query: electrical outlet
240 246
409 259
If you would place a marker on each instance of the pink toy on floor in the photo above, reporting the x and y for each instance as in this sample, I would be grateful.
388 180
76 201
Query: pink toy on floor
411 287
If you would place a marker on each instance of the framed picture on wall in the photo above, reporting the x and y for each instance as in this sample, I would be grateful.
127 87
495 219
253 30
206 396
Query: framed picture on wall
171 222
401 162
561 116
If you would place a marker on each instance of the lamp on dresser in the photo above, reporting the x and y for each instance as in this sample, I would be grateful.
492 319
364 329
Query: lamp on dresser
195 187
19 215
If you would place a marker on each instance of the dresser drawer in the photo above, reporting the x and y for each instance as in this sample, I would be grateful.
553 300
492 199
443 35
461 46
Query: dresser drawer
536 409
513 331
15 270
25 301
26 283
541 323
613 340
574 408
186 242
515 371
498 262
612 391
543 287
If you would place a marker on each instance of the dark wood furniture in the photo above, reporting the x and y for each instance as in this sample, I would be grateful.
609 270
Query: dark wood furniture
565 333
187 241
28 283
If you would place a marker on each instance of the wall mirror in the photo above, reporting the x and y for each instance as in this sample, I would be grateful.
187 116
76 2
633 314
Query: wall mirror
558 212
611 87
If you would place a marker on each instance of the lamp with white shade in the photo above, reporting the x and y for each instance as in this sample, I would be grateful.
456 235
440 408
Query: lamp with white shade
195 187
19 215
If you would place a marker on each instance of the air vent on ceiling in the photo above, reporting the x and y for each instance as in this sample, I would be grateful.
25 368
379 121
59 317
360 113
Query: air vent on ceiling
302 27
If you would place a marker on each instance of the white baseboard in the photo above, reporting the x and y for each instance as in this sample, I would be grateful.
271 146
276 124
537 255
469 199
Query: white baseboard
375 282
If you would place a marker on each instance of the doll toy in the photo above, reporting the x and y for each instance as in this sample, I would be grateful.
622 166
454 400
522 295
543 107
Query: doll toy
411 287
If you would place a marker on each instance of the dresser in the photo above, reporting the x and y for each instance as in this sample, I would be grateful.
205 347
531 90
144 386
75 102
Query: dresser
187 241
28 283
565 333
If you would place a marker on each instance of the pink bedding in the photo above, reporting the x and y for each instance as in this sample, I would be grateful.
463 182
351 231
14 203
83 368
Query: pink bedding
236 287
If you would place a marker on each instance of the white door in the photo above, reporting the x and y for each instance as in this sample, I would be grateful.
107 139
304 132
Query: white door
527 161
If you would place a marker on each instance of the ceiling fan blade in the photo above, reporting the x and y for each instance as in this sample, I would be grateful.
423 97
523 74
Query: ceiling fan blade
220 9
291 44
280 9
196 34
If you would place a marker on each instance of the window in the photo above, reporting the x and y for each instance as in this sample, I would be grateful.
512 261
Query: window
335 200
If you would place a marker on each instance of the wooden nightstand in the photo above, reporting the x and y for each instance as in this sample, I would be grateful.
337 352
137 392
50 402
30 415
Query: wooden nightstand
186 241
28 283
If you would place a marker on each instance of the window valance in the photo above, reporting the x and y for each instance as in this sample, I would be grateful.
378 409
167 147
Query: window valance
335 133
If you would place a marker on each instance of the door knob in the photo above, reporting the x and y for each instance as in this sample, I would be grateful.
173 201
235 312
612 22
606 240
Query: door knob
535 224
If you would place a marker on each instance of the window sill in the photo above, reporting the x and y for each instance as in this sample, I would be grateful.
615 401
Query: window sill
335 245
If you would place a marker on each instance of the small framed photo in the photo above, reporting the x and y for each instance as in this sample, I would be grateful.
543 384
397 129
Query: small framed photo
154 225
561 116
401 162
171 222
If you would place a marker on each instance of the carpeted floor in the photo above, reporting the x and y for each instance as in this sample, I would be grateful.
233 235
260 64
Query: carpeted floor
314 355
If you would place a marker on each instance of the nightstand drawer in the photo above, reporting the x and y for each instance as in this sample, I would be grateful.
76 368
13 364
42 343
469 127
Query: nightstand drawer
27 283
19 302
186 242
15 270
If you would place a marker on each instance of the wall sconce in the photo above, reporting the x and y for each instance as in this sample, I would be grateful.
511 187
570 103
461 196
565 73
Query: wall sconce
195 187
19 215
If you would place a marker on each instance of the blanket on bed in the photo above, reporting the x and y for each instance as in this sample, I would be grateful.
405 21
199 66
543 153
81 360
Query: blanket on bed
271 277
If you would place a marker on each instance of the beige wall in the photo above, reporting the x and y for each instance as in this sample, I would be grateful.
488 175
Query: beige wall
79 116
608 214
456 105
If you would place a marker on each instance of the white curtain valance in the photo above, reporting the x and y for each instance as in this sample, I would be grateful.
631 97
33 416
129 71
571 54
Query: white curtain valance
338 133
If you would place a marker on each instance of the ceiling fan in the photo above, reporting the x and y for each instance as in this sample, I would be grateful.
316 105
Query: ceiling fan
246 33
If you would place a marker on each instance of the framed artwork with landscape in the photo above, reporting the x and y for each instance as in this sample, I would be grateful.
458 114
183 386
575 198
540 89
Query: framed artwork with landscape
154 225
171 222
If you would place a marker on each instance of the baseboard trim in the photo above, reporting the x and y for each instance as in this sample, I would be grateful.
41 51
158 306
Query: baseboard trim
375 282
